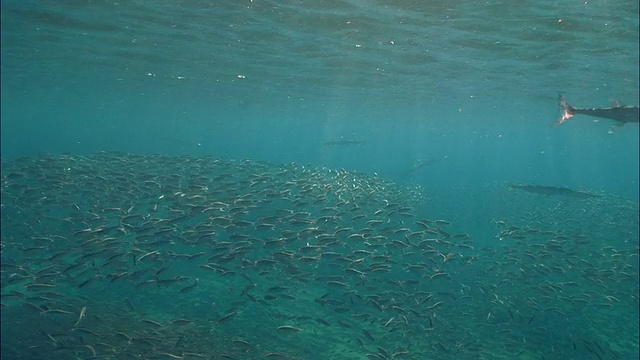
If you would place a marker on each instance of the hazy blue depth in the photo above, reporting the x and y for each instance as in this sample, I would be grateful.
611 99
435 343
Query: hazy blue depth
473 84
456 98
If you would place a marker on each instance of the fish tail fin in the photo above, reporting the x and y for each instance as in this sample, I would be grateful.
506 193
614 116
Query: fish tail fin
566 111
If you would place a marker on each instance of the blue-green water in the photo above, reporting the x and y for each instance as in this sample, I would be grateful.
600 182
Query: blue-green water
435 107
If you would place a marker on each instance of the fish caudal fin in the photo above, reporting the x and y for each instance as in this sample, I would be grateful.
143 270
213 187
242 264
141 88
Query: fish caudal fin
566 111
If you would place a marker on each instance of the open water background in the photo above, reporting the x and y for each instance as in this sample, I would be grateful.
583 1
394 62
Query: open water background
454 97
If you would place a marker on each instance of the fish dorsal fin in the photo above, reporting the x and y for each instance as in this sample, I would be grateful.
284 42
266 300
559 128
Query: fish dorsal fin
618 104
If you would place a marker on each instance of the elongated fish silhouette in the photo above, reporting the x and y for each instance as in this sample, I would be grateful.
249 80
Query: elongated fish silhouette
554 190
621 114
344 142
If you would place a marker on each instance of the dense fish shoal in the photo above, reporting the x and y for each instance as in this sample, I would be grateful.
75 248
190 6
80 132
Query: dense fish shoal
117 256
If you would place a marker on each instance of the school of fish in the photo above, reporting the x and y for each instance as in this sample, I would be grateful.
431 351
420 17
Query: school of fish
123 256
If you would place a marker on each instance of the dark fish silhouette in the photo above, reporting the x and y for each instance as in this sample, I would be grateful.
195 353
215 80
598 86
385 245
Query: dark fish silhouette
344 142
621 114
555 190
419 165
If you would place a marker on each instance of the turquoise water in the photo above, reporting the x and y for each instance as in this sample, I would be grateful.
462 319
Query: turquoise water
437 107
